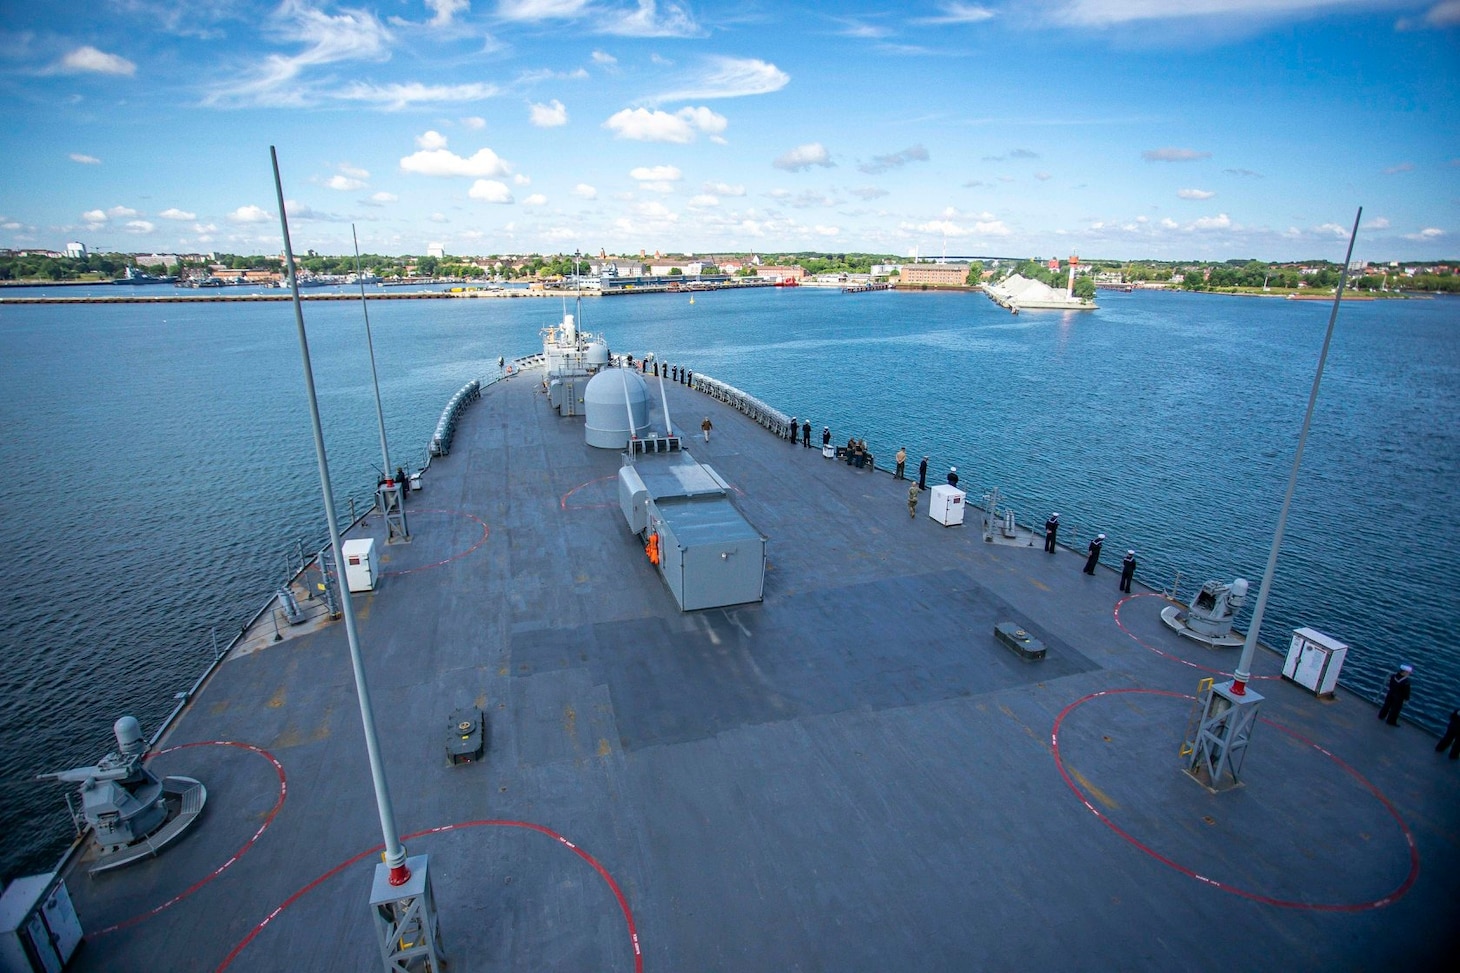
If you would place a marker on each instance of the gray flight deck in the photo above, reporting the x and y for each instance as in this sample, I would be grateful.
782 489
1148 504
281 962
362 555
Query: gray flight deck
853 774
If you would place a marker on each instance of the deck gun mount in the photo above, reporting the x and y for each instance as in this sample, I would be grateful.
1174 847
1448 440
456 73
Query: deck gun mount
131 814
1209 619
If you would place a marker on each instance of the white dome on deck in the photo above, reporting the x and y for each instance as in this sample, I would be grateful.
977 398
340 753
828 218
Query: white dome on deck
611 398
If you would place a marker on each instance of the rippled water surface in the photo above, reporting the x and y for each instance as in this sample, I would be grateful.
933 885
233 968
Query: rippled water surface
161 462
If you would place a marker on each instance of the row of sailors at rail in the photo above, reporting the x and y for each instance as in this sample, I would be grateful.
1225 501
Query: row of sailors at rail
675 373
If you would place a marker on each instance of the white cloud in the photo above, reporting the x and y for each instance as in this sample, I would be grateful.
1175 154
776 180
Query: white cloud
1428 233
1219 222
882 163
536 199
520 180
345 183
550 115
394 97
250 214
648 21
1195 194
121 212
820 230
604 58
731 77
446 10
724 189
438 218
655 174
1172 154
86 160
1379 222
442 162
94 216
944 227
534 10
431 139
958 13
354 172
1104 13
352 35
585 191
1167 223
474 122
139 226
643 125
704 200
490 191
804 157
173 213
1446 13
88 60
384 197
300 210
204 227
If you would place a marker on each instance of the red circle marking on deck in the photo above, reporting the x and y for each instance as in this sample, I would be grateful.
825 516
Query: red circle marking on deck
1380 902
1162 652
486 531
603 873
268 819
563 502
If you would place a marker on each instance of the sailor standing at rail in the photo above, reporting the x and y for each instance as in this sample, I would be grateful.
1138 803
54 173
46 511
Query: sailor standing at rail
1397 695
794 427
1127 571
1051 528
825 436
806 433
1451 738
901 458
1094 557
923 474
953 476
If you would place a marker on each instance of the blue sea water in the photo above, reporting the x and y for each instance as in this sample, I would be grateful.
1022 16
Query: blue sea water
161 464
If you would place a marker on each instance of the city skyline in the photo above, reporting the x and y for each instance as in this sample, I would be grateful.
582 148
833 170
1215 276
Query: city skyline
1113 129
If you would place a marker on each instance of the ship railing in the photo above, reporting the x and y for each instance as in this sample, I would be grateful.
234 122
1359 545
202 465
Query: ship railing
767 416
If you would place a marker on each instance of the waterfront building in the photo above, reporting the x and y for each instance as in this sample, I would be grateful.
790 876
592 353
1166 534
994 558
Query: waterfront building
933 275
794 272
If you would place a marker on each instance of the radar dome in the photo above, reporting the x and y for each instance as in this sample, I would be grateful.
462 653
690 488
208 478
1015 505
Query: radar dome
615 398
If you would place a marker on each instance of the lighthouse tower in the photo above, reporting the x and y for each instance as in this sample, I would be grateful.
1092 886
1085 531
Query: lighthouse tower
1070 287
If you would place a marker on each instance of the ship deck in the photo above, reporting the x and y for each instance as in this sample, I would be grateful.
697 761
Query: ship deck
851 775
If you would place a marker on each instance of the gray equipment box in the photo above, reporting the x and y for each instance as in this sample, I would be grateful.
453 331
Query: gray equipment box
39 929
709 554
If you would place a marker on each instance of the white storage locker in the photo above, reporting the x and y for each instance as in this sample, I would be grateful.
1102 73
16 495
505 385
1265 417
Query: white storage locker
361 569
1314 661
946 505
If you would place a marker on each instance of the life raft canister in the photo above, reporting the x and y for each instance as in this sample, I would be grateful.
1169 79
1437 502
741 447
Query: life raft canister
652 549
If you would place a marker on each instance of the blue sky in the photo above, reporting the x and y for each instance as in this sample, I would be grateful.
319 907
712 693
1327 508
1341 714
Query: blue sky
1209 129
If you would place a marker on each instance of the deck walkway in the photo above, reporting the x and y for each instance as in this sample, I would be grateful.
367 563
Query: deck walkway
852 775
